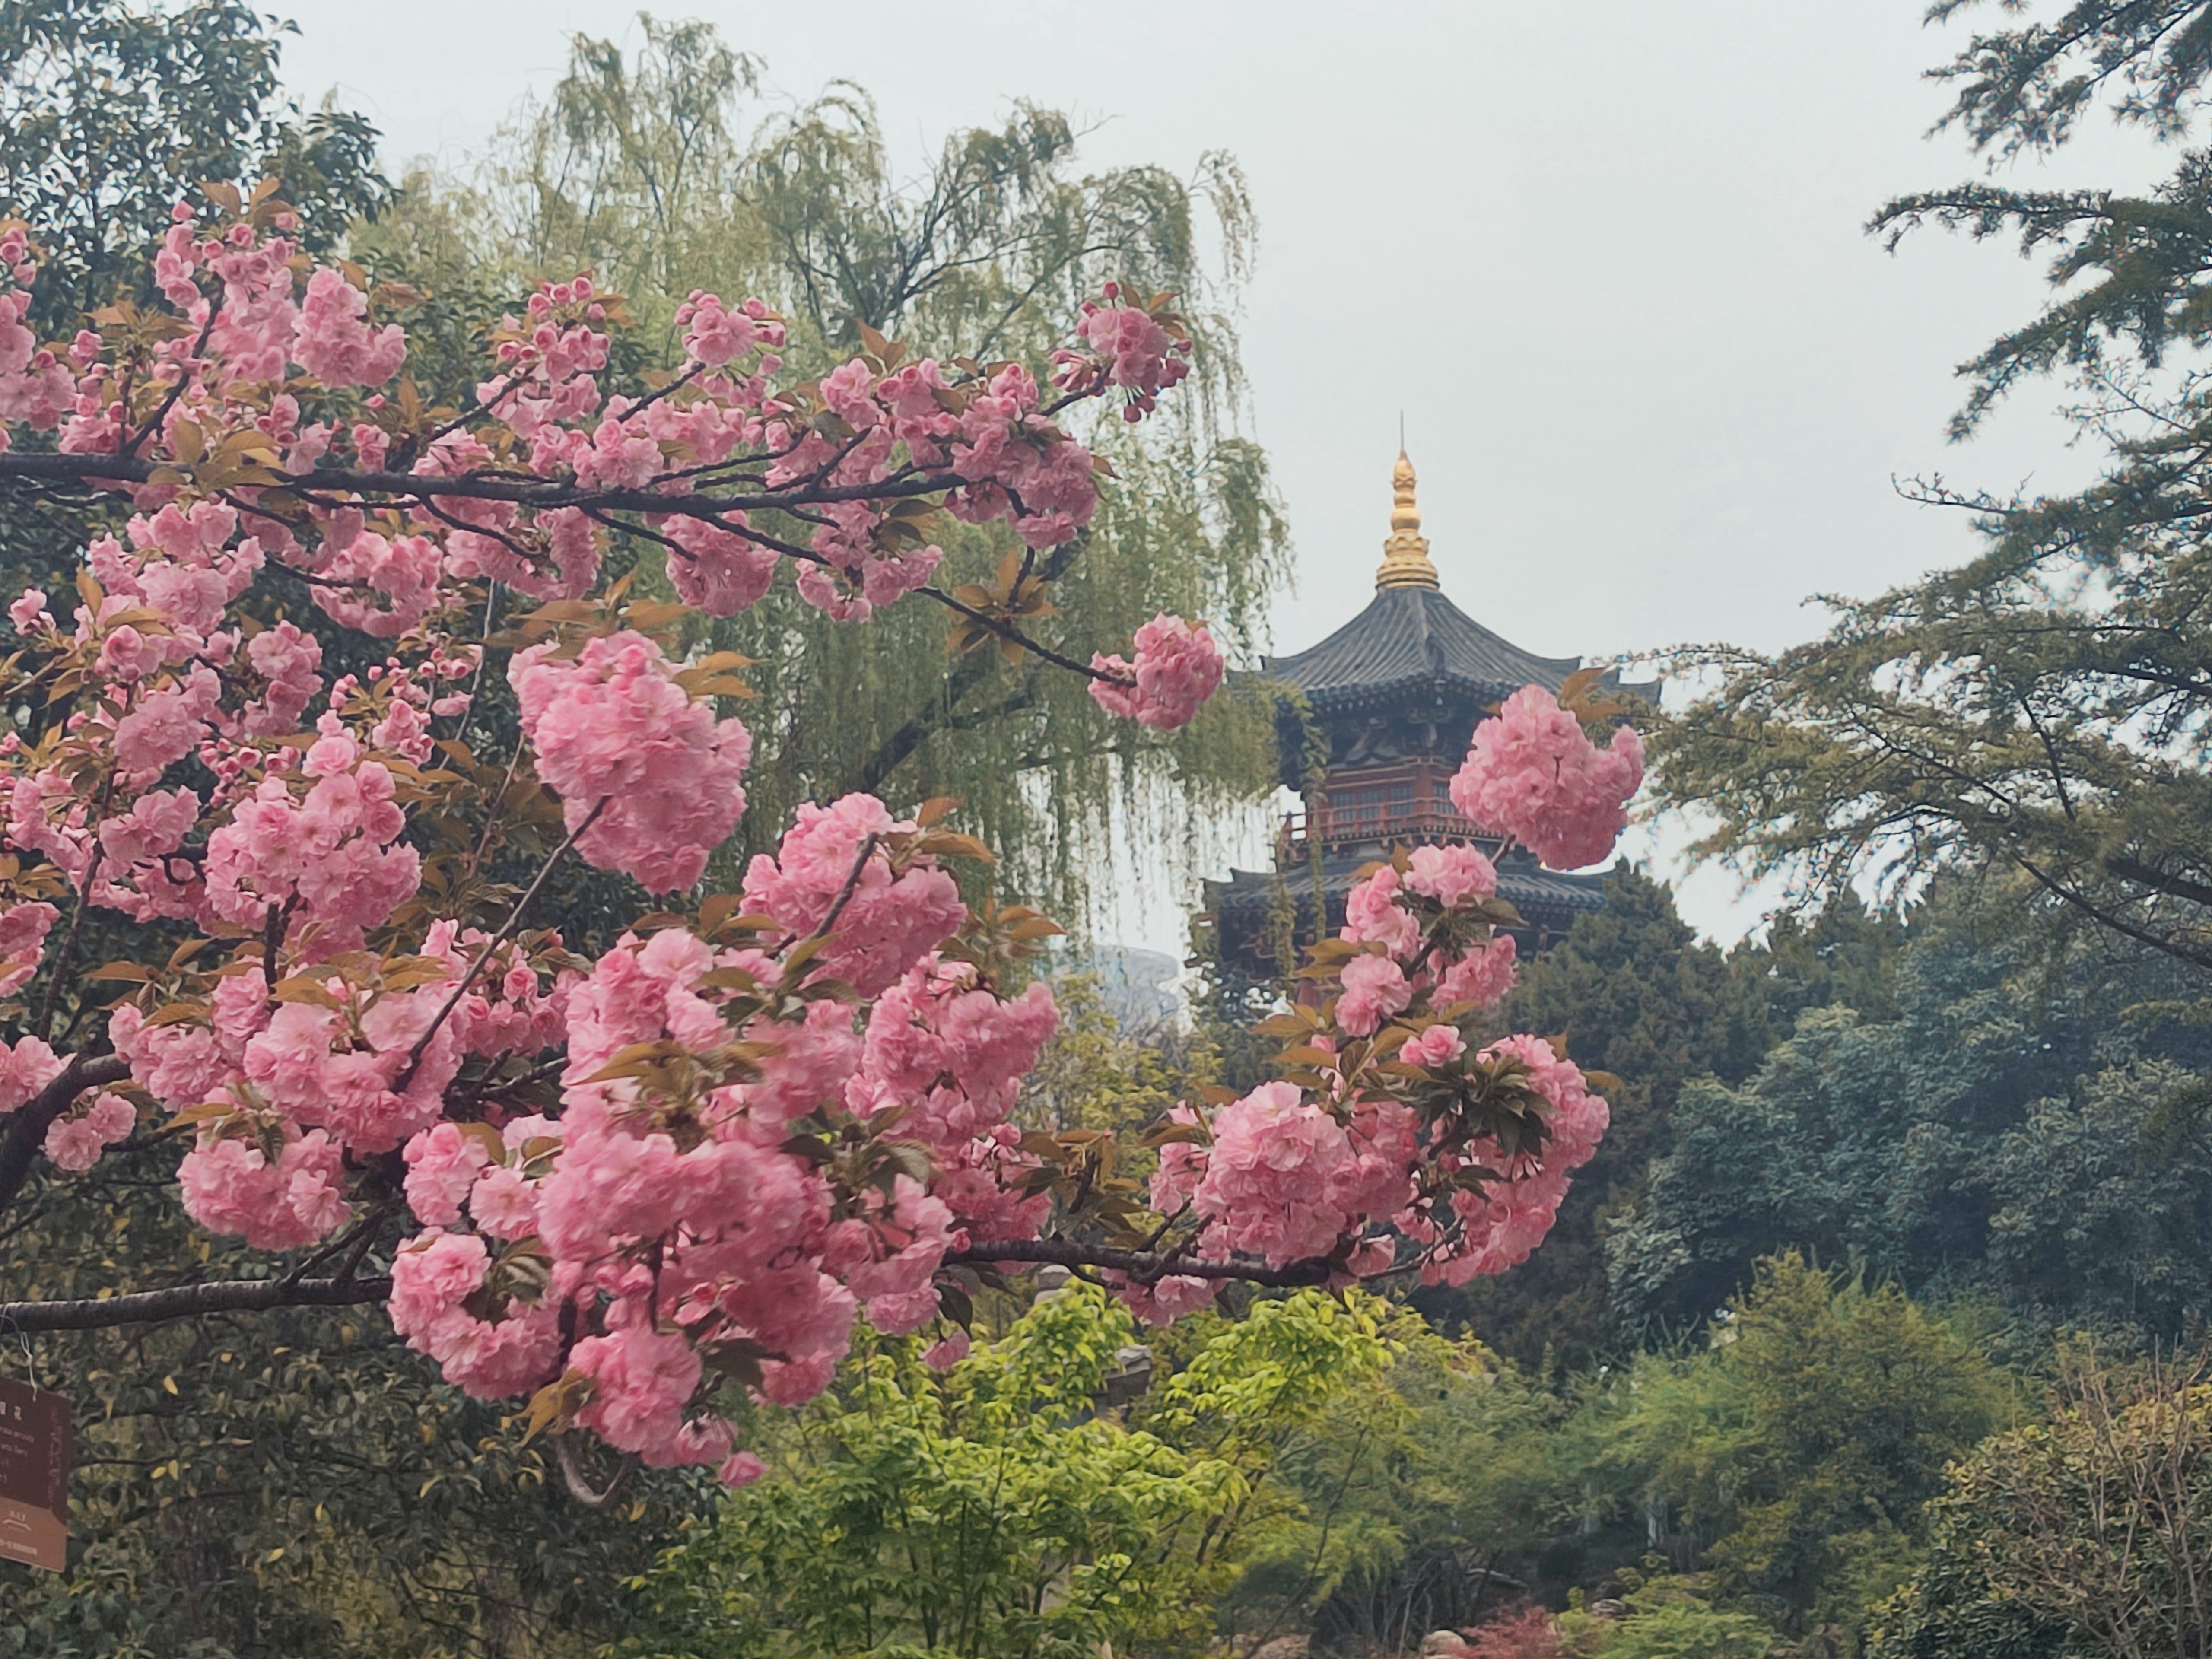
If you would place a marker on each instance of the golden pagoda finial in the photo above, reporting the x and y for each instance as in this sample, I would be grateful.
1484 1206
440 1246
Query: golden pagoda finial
1406 554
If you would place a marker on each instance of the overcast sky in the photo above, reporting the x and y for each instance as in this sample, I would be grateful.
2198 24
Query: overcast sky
1608 258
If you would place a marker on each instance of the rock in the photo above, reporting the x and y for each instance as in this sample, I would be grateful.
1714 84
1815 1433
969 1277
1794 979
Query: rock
1285 1647
1606 1607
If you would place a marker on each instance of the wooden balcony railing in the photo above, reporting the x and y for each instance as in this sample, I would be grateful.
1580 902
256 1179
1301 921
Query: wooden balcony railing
1334 826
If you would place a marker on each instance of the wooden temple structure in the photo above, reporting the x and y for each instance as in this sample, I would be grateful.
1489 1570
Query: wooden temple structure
1370 726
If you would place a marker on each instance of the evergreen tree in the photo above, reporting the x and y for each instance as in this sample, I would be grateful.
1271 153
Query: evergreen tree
2038 712
1636 993
111 112
1993 1135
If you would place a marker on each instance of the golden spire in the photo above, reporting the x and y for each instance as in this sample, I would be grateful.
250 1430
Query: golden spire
1406 554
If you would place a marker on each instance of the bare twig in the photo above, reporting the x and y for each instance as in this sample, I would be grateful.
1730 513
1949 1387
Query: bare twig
506 932
580 1487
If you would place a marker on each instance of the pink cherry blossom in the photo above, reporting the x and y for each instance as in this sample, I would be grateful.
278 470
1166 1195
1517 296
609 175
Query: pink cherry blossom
230 1186
335 345
329 855
946 1352
1127 348
1372 915
1451 875
25 1069
432 1280
442 1165
714 336
1433 1045
74 1143
741 1469
504 1203
1532 773
29 613
643 1381
1178 667
1166 1299
1374 987
23 929
717 569
1482 976
654 773
1267 1178
886 920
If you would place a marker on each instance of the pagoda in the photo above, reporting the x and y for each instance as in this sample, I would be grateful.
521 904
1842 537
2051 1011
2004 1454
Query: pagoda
1370 726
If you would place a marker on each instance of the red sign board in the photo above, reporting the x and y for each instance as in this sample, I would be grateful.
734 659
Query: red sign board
34 1469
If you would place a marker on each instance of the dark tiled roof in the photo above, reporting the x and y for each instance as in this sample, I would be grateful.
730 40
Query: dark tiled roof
1533 891
1415 636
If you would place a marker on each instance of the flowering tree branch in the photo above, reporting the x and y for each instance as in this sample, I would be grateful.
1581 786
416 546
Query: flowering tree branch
634 1180
378 488
270 1295
27 1126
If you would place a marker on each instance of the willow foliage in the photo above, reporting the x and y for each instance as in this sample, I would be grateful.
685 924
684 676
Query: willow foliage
666 170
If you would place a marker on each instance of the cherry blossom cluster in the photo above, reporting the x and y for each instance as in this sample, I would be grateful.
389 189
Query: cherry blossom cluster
722 1186
251 373
1136 349
626 1182
1178 667
1405 1129
24 926
1533 773
648 778
35 382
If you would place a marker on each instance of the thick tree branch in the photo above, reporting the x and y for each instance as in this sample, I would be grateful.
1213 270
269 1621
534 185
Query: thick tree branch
2150 875
424 491
191 1301
27 1126
2172 945
523 491
1143 1265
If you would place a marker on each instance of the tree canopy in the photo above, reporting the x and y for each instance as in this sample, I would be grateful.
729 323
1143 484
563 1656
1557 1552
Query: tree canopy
109 111
663 172
2040 709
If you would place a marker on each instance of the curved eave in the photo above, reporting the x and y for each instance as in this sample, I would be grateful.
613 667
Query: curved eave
1529 888
1407 695
1414 640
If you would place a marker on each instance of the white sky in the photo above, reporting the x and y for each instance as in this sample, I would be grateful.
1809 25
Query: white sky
1608 258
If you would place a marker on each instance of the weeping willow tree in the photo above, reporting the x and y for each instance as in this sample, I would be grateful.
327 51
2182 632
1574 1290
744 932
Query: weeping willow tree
667 169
